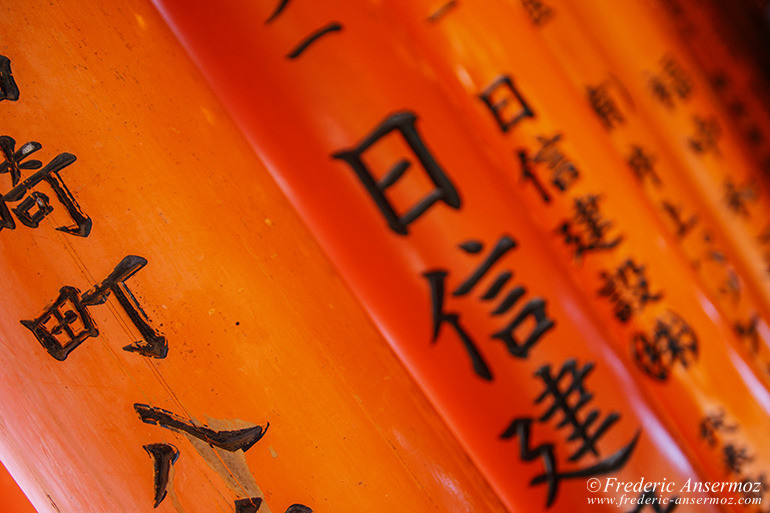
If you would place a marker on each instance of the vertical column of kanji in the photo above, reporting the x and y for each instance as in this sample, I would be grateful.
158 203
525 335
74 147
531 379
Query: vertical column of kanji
690 118
731 67
374 155
159 288
658 171
517 99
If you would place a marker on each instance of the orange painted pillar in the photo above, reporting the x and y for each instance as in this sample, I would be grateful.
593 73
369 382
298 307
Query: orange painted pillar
389 173
731 61
516 92
660 172
722 170
162 303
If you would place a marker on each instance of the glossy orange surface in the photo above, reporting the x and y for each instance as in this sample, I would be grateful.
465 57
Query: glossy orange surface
726 41
356 88
508 372
258 325
722 171
660 170
475 46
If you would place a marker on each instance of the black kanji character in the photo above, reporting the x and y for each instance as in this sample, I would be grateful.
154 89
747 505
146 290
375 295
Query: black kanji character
436 281
528 174
153 343
13 160
672 341
164 456
748 331
737 196
63 325
628 289
714 423
582 429
13 163
706 136
277 11
682 226
8 88
303 45
586 231
643 164
442 11
235 440
521 428
250 505
538 11
661 92
758 486
735 458
564 172
604 106
66 323
403 123
731 285
535 308
498 105
561 389
678 77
